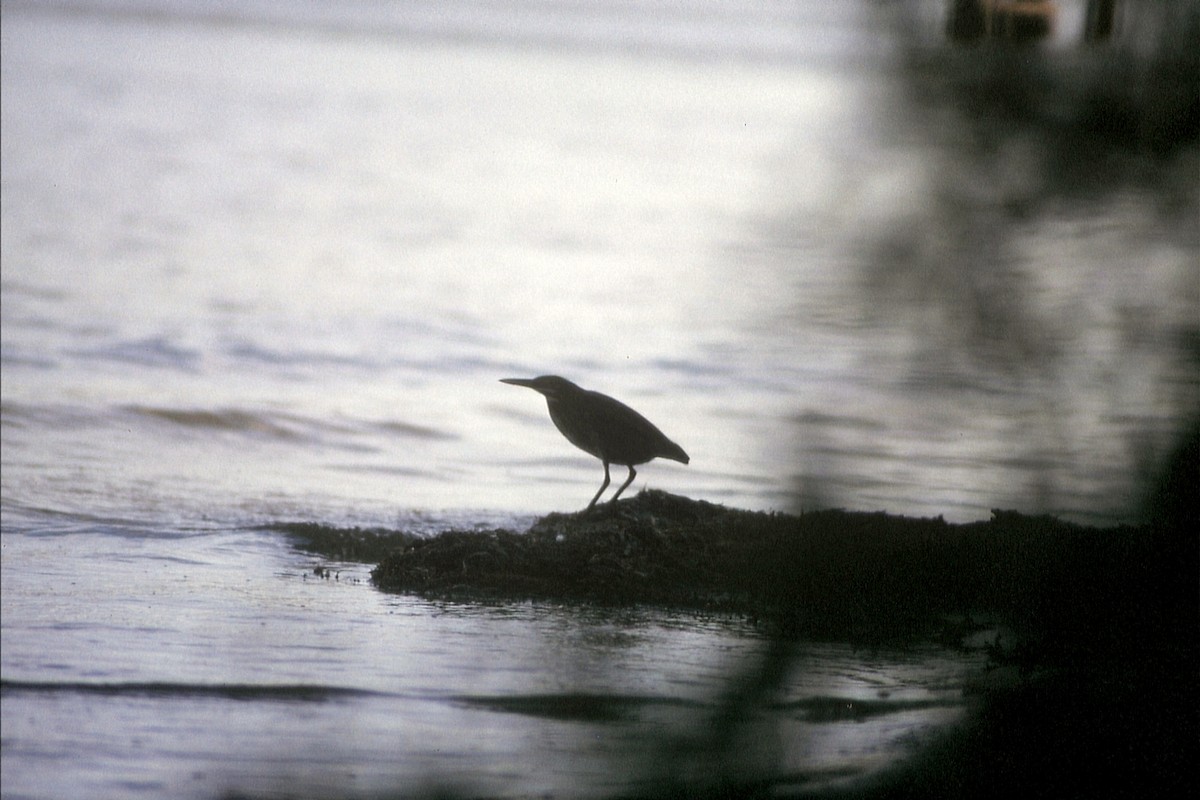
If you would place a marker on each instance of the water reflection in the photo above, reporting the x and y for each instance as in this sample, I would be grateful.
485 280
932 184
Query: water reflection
782 716
1020 231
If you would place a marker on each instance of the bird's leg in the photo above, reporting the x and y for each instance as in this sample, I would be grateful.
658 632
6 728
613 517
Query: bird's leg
629 480
603 486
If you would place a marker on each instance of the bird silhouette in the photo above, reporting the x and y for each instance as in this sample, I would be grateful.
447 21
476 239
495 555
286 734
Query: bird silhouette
607 428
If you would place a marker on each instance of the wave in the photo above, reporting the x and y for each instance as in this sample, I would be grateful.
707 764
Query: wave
283 426
564 706
845 709
17 414
340 432
222 420
572 706
151 351
585 707
165 689
576 706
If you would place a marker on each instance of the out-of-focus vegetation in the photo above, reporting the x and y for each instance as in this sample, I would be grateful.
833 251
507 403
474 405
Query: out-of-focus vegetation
1020 227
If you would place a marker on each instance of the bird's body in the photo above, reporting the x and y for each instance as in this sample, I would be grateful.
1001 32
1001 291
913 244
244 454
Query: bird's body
606 428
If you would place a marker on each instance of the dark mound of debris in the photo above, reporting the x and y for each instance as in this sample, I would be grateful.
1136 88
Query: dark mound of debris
833 572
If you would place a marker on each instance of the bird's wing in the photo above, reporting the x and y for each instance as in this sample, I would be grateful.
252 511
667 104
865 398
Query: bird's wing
623 435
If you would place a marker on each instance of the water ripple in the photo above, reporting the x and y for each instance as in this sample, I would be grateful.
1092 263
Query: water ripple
163 689
281 426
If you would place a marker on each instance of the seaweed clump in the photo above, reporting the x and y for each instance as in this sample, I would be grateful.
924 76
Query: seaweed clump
830 574
360 545
655 549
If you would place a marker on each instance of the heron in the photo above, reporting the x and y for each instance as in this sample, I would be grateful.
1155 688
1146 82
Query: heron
602 426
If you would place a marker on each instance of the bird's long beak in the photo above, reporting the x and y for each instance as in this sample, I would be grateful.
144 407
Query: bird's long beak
526 382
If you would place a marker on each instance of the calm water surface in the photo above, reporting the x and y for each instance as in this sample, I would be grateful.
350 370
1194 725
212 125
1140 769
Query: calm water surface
267 264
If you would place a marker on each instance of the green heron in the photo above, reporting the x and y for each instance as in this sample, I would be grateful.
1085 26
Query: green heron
607 428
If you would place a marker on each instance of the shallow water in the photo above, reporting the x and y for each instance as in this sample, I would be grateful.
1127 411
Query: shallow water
199 662
267 264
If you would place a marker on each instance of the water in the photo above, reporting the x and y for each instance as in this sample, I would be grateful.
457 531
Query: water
267 263
203 661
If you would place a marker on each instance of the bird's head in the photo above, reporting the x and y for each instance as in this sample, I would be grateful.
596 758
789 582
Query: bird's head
551 386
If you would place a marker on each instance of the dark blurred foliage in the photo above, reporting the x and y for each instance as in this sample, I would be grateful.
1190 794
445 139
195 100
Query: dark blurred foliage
1099 136
1020 130
1042 260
